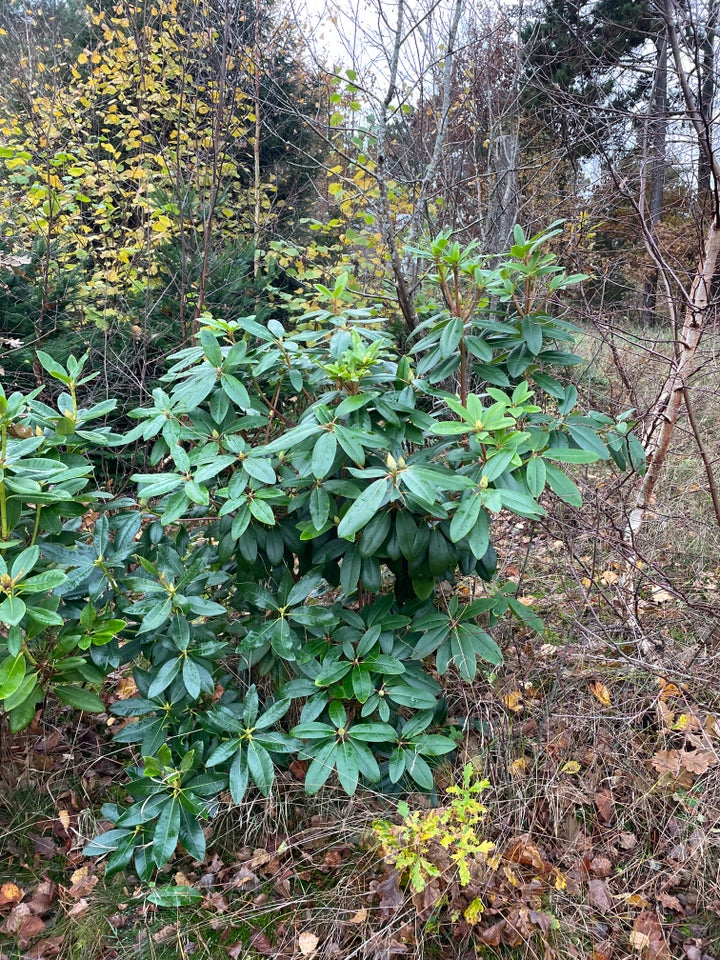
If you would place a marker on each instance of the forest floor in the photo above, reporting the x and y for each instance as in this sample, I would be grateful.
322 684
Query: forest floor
600 739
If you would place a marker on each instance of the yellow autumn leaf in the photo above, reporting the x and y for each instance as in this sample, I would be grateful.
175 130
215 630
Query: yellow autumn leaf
514 701
82 58
636 900
10 893
473 912
600 692
669 690
571 767
686 722
519 767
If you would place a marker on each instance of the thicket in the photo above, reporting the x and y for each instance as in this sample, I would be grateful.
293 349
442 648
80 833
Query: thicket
272 585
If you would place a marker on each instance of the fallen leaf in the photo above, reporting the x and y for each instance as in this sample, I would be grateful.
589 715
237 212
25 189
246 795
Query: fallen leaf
298 768
45 949
360 916
259 941
390 895
571 767
608 578
43 898
10 893
659 595
307 943
491 936
605 805
23 923
519 766
698 761
43 846
686 723
426 900
601 866
647 926
666 761
639 941
603 951
167 933
525 853
514 701
80 908
628 841
599 895
670 902
244 879
600 692
83 883
636 900
125 688
64 818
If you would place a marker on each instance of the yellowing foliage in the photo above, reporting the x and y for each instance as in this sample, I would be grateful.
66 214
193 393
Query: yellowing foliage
134 152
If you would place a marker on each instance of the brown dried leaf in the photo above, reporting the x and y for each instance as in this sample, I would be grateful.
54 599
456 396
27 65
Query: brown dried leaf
43 846
648 926
603 951
80 908
628 841
492 935
605 805
390 895
167 933
426 899
15 918
636 900
670 902
30 929
260 943
601 866
666 761
83 883
658 595
692 951
244 879
45 949
698 761
43 898
599 895
298 768
525 853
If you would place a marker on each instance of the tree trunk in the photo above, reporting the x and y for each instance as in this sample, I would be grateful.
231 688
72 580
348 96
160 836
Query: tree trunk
665 412
657 141
707 96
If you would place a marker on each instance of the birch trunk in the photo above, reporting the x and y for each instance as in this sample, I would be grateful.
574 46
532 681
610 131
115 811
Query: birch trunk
665 412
